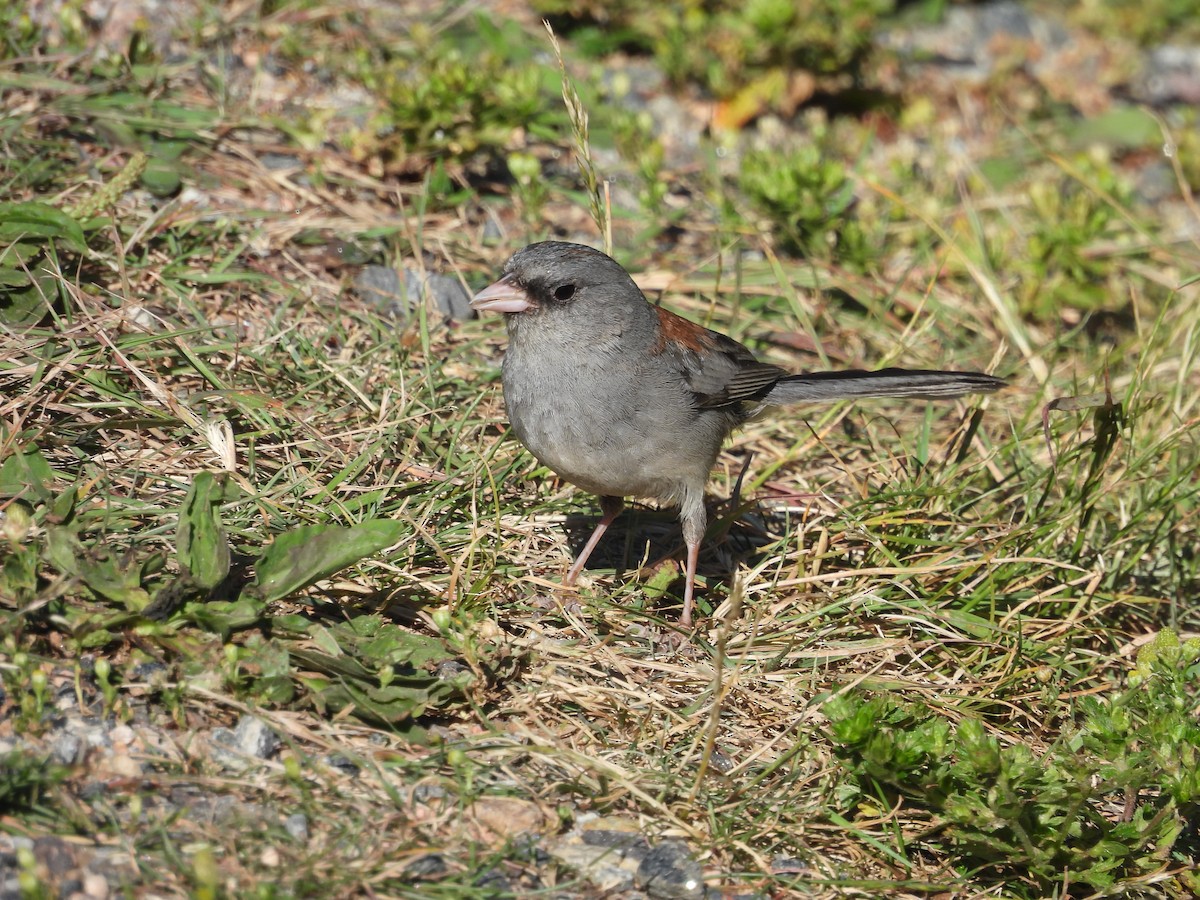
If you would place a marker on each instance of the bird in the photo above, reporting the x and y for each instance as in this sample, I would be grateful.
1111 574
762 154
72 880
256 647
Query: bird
622 397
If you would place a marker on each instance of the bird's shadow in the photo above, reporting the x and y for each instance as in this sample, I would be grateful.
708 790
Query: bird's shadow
646 536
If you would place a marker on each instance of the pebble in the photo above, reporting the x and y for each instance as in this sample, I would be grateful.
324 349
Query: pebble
1171 76
669 871
297 826
395 293
237 750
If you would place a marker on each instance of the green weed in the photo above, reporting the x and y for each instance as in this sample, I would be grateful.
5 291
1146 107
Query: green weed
1106 802
729 47
808 198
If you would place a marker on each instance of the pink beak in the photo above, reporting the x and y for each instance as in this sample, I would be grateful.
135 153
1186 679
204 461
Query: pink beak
505 296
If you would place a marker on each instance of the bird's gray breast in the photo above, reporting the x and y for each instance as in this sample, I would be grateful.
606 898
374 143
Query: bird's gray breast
605 421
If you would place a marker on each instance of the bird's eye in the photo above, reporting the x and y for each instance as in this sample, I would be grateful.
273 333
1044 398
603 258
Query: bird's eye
564 292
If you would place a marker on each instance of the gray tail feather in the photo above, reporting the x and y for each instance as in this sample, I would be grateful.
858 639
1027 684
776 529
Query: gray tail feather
813 387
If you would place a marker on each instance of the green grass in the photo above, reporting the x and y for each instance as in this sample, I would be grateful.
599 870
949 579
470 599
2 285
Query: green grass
938 648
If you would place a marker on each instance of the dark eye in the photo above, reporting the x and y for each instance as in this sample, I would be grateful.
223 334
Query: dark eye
564 292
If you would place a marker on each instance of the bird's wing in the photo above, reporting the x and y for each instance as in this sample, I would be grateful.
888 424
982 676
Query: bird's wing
717 369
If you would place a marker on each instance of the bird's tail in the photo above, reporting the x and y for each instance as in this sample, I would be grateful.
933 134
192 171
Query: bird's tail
814 387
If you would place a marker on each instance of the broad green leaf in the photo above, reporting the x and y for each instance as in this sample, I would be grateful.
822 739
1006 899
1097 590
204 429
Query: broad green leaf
303 555
62 509
21 254
13 278
200 540
24 472
24 307
18 573
267 667
1119 126
408 693
161 178
23 220
63 549
104 573
224 617
385 673
324 639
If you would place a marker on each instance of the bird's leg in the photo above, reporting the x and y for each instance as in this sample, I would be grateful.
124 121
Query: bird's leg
689 584
694 520
611 508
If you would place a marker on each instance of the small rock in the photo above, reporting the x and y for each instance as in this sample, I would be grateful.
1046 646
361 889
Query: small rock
491 231
428 790
222 746
95 885
55 854
297 826
121 764
280 162
601 866
615 833
431 865
65 697
395 293
493 881
449 668
255 738
252 739
93 731
450 296
1155 183
509 818
381 286
121 736
668 871
1171 76
151 671
68 749
343 764
789 865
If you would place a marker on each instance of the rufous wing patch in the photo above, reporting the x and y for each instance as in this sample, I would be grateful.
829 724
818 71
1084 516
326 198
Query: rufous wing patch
673 329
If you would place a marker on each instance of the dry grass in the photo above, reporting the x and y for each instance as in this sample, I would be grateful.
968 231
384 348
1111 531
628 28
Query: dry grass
947 557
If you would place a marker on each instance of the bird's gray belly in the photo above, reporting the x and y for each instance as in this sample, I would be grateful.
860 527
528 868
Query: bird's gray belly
615 437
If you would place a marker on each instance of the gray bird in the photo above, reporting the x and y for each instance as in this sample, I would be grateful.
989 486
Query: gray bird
623 398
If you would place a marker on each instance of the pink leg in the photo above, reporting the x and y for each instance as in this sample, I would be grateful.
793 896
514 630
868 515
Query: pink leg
611 507
689 585
693 519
